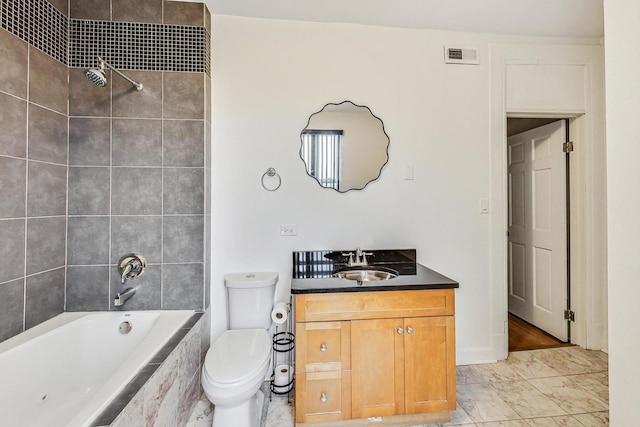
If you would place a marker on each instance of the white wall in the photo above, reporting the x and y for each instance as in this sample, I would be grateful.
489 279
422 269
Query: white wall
269 76
623 181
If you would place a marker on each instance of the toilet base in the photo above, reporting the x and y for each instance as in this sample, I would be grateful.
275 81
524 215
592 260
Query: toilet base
246 414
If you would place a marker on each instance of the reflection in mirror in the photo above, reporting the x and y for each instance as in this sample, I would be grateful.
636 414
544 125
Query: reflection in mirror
344 146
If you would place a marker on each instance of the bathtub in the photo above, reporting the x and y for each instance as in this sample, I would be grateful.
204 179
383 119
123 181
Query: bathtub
66 371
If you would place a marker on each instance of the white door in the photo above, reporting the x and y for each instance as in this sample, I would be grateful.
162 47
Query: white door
537 228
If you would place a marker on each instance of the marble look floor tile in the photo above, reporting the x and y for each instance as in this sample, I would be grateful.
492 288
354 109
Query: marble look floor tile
526 400
594 419
598 360
565 361
596 383
497 372
510 423
468 374
564 421
483 404
281 412
528 366
568 396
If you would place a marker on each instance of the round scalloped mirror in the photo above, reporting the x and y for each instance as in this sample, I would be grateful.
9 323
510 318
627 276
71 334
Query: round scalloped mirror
344 146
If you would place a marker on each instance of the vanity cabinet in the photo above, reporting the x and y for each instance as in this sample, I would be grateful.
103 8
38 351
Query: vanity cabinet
370 354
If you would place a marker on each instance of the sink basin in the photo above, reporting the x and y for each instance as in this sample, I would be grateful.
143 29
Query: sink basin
366 274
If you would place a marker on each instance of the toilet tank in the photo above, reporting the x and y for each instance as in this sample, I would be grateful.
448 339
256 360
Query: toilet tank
250 299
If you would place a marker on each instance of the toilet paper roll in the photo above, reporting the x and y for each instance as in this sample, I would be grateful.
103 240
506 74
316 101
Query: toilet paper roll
282 375
280 313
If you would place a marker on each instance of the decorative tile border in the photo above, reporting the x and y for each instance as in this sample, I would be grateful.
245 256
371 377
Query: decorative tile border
125 45
138 46
38 23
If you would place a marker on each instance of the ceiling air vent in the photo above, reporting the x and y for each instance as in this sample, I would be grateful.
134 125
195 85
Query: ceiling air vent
458 55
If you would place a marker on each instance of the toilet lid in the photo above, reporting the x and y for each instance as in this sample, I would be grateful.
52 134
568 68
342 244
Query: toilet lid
237 355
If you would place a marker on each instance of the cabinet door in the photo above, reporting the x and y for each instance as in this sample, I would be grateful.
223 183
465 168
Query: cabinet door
377 368
430 371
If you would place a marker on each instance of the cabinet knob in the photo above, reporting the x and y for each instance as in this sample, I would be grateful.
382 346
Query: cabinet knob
323 397
409 330
323 348
400 331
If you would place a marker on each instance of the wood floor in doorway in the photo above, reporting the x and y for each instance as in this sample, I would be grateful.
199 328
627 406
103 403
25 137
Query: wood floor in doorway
524 336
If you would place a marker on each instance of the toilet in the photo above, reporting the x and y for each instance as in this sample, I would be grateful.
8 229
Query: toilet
236 364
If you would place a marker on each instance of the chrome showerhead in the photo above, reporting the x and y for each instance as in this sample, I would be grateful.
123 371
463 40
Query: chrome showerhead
96 76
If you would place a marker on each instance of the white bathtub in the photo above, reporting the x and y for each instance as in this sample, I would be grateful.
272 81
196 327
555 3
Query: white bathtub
65 371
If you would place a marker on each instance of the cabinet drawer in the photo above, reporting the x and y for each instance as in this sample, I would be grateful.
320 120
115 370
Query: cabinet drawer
370 305
323 396
322 346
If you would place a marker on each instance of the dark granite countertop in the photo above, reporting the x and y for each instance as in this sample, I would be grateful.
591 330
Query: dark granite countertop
313 273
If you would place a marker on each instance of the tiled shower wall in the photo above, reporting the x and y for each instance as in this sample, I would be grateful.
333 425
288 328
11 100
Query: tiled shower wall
33 185
88 174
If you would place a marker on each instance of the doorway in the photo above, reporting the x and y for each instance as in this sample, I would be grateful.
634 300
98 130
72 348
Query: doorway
538 238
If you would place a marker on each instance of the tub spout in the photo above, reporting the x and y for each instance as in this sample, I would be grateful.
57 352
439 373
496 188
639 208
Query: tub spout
122 297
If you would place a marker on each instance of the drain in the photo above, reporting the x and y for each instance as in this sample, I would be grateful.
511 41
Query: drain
125 327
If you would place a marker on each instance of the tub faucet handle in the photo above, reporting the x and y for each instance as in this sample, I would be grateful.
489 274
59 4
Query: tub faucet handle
131 266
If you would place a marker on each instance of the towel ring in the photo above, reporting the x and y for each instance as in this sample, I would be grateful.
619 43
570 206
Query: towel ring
271 172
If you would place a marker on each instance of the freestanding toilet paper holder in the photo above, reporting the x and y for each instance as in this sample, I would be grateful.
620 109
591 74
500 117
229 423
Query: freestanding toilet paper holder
282 377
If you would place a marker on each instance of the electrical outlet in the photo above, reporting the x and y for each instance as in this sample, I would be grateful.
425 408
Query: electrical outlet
288 230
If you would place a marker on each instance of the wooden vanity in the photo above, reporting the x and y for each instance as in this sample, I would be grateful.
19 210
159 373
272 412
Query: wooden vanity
376 353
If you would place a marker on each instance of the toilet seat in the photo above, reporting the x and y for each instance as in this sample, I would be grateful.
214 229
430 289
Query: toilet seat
236 357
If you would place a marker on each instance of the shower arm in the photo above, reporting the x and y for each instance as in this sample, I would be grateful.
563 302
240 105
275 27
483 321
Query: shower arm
102 63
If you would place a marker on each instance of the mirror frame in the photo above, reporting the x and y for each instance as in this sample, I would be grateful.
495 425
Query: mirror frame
383 131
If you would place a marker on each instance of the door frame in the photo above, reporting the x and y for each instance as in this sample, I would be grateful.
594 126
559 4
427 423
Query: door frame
588 225
567 231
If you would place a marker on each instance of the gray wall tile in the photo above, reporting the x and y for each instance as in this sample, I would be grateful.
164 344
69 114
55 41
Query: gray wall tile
48 81
183 191
138 11
14 63
48 135
90 9
183 239
182 286
128 102
148 287
138 234
87 288
89 191
87 99
12 249
137 142
46 189
13 187
61 5
136 191
89 141
183 95
11 308
45 297
182 13
88 240
183 143
45 243
13 122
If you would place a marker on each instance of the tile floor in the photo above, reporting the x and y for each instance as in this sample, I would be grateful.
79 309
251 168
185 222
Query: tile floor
541 388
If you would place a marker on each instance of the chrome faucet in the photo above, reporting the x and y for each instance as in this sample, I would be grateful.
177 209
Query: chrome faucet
122 297
361 258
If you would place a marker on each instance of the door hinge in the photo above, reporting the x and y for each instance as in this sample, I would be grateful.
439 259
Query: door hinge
567 147
570 315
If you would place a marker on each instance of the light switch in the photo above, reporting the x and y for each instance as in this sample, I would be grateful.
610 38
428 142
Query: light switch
484 206
408 172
